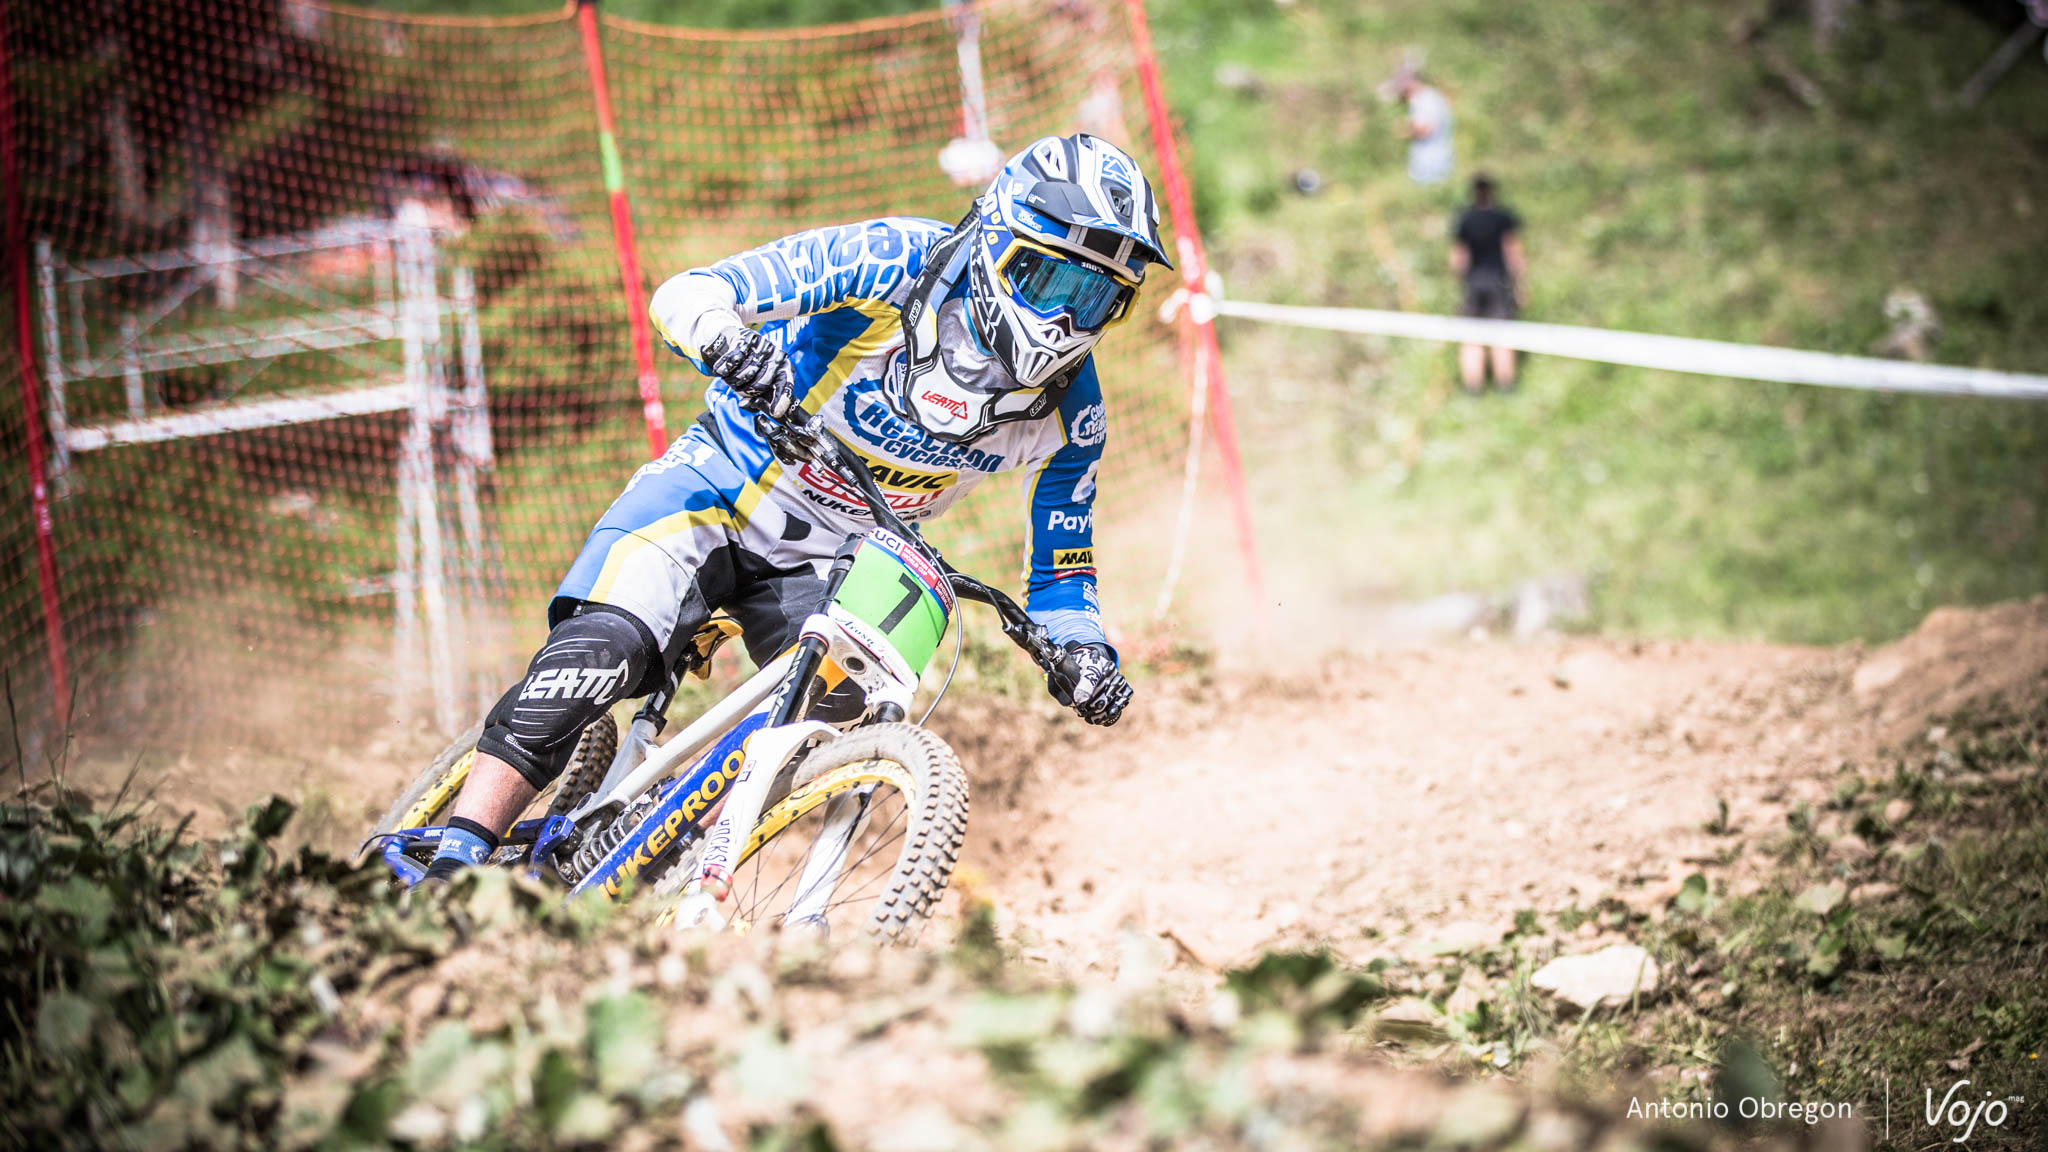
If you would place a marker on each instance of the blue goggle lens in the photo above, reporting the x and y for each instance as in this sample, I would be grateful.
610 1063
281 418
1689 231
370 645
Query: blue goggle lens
1049 285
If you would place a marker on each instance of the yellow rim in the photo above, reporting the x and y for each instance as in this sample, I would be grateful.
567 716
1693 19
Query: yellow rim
841 779
429 806
795 805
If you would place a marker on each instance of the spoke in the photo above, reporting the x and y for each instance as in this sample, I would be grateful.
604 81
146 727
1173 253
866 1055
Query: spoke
836 845
871 881
788 875
878 840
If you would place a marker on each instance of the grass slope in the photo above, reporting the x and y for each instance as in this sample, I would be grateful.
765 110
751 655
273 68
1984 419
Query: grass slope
1670 183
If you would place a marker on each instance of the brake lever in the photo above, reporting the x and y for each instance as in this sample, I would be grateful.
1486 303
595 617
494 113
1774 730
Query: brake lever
1021 629
1031 637
794 439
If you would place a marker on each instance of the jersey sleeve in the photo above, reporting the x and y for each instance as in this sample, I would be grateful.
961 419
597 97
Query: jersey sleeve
868 266
1059 490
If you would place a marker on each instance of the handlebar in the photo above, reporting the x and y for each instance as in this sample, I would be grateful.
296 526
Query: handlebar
798 437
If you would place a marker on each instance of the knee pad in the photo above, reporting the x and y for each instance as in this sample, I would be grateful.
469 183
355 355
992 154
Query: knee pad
591 661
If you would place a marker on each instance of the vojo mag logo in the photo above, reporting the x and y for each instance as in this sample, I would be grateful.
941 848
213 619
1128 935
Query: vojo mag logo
1958 1113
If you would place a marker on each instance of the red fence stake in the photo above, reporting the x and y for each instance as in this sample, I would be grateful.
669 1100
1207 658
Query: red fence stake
1194 265
622 231
31 400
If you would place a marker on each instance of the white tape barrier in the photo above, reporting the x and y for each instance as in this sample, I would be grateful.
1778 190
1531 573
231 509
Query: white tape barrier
1671 353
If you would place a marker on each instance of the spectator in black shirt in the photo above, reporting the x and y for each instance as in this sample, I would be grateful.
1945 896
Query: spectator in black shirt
1486 253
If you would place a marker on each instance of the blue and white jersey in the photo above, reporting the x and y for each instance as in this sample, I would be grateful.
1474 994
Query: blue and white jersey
830 297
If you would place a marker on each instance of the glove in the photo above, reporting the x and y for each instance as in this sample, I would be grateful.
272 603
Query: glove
1085 679
755 368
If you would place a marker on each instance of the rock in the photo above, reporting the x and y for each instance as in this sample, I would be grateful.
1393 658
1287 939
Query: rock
1411 1010
1463 936
1821 899
1409 1020
1471 992
1850 849
1896 812
1612 976
1478 1116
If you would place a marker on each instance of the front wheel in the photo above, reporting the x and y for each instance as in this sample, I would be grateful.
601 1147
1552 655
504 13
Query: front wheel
867 835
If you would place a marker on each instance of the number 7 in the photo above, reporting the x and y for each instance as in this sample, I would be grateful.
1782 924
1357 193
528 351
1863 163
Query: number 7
911 591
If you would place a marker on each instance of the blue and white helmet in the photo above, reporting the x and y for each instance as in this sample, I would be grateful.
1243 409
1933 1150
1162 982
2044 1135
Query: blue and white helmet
1055 251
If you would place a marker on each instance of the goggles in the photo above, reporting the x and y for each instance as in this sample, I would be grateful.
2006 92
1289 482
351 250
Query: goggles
1050 284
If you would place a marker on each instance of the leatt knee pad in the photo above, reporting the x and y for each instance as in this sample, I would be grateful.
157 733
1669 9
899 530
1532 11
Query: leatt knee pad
591 661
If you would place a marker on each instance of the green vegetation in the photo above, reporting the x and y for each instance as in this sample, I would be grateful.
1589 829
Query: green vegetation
167 995
1670 182
1910 959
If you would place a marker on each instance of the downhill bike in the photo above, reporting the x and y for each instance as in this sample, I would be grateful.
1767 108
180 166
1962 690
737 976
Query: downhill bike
756 813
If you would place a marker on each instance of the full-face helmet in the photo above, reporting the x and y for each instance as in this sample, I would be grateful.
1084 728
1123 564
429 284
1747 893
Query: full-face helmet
1052 255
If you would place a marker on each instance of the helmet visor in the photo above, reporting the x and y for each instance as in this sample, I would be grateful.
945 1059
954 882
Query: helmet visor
1049 285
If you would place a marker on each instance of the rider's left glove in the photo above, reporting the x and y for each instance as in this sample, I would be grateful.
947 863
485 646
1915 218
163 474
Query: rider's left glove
755 367
1085 678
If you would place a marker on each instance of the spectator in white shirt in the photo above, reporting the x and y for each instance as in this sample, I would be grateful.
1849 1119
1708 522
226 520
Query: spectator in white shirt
1427 128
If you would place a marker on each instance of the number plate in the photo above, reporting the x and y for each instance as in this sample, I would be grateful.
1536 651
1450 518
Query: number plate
893 588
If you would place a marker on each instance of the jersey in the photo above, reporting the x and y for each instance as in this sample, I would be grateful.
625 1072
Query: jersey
831 298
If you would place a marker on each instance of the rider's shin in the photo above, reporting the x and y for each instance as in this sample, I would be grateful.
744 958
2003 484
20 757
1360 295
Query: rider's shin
591 661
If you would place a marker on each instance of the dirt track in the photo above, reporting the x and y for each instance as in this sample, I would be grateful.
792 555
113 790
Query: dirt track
1424 796
1376 802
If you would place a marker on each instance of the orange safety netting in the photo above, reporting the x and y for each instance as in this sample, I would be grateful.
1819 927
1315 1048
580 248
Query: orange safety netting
331 355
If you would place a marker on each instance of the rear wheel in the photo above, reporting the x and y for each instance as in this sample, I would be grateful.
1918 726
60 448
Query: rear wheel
867 835
428 799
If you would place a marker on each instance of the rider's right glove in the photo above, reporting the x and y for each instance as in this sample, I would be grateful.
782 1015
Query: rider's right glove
1085 678
755 367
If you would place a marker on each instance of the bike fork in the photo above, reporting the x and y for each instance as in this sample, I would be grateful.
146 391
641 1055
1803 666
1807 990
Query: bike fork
843 816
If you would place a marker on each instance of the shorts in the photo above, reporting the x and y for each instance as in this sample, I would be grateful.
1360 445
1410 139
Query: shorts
1491 298
692 534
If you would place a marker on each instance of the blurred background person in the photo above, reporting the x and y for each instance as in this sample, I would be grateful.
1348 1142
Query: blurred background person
1486 253
1427 127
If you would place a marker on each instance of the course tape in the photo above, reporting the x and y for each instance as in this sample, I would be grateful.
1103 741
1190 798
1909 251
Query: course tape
1671 353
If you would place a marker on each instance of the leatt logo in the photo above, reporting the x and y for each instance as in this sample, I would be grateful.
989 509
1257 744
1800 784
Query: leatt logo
948 403
573 683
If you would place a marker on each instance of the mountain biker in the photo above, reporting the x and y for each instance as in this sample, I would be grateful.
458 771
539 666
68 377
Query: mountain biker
941 356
